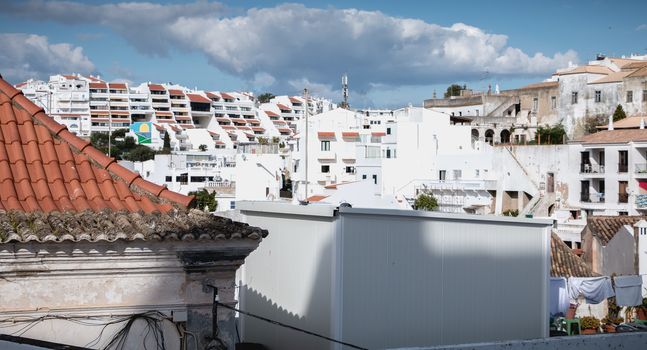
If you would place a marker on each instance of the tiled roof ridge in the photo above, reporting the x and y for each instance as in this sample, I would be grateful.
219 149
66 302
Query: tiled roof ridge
565 263
109 226
151 190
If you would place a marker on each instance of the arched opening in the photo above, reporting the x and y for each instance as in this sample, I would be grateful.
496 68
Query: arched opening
505 136
475 134
489 136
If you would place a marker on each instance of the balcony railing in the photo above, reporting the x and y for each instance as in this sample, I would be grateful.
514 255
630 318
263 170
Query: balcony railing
592 197
641 201
623 197
591 168
640 168
622 168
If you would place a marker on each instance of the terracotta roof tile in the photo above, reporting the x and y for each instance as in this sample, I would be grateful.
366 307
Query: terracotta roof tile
326 134
44 167
271 114
283 107
98 86
604 228
615 136
156 87
564 262
198 98
227 96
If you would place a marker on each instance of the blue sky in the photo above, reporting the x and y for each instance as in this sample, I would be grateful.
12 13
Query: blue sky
395 52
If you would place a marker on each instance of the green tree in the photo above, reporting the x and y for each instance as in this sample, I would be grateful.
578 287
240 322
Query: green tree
276 139
591 123
454 90
262 140
551 135
426 202
139 153
619 114
202 147
265 98
166 148
204 199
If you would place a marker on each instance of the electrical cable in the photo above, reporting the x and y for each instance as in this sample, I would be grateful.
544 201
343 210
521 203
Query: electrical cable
289 326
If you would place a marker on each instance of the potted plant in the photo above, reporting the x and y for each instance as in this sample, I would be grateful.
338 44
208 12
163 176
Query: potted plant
589 324
641 311
609 324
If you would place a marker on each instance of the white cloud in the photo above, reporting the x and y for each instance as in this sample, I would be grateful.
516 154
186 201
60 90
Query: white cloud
642 27
291 42
26 56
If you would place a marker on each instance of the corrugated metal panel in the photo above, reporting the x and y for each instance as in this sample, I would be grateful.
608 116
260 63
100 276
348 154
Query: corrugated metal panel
420 281
389 278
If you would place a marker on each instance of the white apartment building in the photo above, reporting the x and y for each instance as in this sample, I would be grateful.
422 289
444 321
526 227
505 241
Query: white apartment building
89 104
340 149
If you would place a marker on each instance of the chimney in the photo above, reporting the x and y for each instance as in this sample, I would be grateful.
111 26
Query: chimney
642 123
610 122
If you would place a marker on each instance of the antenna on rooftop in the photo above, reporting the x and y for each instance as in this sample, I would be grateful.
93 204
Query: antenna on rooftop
344 89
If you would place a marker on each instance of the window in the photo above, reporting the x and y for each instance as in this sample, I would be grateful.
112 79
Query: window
364 177
350 170
457 174
388 153
535 103
477 172
375 179
623 157
388 131
442 174
325 145
644 96
477 112
232 205
598 96
573 97
643 231
325 168
630 96
169 179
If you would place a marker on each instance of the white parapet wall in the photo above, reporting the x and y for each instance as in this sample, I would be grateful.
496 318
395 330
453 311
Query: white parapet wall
381 278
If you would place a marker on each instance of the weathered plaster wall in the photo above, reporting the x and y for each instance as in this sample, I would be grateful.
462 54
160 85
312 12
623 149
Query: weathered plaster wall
113 280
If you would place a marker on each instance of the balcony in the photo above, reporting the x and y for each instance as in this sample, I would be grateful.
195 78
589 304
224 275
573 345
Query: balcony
592 197
591 168
640 169
641 201
327 155
623 197
622 168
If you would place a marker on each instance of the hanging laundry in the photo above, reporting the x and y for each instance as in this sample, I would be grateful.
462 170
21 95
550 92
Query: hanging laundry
628 290
593 289
559 301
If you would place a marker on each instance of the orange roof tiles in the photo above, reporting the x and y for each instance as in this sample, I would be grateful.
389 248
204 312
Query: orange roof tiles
283 107
120 86
198 98
174 92
316 198
98 86
156 87
350 134
227 96
213 96
378 133
271 114
258 129
285 130
615 136
326 134
44 167
295 100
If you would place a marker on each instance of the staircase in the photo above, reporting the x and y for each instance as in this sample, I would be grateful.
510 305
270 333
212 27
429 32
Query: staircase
503 107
